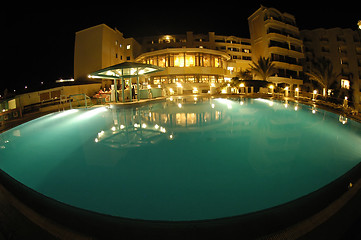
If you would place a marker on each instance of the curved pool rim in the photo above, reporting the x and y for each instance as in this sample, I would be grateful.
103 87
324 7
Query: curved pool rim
252 225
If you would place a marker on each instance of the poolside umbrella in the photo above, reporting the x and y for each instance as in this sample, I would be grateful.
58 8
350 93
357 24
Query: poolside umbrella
125 70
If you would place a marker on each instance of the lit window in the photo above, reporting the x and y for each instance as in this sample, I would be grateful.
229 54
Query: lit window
190 60
128 46
345 83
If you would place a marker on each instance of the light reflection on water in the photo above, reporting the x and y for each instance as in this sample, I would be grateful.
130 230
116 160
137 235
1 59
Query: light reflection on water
182 159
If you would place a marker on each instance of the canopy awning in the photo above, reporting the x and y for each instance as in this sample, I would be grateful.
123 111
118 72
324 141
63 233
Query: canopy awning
125 70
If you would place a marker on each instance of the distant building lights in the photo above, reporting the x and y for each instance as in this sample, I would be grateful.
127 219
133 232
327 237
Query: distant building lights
67 80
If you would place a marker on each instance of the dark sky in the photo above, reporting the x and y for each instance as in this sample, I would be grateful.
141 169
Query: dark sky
40 39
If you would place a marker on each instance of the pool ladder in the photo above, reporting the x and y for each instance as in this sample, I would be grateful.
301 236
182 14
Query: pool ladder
84 96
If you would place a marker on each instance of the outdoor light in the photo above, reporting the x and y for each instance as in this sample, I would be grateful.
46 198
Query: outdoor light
241 85
314 91
271 87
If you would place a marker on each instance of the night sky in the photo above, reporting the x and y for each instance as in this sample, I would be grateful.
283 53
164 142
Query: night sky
39 39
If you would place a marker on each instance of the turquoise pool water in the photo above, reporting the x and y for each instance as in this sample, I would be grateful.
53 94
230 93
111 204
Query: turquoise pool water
183 159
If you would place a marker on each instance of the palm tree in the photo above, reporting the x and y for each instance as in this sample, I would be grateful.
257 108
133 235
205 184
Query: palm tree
245 75
322 72
264 68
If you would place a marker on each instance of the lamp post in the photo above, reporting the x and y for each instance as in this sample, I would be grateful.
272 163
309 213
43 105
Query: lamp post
271 87
297 92
314 95
286 91
345 102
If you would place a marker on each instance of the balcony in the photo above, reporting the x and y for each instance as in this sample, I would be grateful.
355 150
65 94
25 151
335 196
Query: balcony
283 32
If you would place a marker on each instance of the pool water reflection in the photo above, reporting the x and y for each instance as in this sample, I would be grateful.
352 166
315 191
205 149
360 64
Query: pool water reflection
182 159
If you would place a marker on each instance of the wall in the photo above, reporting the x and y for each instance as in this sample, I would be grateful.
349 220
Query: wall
35 97
86 61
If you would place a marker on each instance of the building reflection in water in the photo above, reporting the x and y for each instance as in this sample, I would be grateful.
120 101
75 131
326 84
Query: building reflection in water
134 127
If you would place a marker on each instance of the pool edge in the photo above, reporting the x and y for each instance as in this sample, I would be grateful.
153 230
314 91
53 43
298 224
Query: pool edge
66 220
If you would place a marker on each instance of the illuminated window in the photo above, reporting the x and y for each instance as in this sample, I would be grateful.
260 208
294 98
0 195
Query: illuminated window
179 60
128 46
161 61
156 80
204 79
345 83
206 60
190 60
217 62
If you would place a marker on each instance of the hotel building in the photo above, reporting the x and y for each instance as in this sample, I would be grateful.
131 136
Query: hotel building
276 36
197 62
194 63
99 47
343 48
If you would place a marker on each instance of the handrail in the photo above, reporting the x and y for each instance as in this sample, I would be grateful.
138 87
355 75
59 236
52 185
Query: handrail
80 94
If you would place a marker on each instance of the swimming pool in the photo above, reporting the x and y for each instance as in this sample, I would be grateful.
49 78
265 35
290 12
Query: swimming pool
183 159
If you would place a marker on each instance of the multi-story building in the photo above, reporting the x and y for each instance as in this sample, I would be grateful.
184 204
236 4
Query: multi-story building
343 48
99 47
195 61
275 35
198 62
